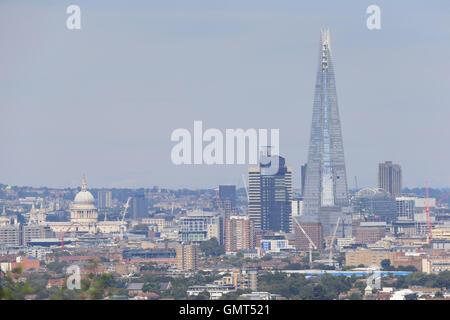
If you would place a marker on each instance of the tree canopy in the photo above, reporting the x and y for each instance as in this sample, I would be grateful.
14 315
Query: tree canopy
211 247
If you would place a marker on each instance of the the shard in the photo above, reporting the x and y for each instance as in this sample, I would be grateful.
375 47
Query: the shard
326 181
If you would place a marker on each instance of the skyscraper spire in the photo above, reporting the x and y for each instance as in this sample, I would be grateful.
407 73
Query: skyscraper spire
326 180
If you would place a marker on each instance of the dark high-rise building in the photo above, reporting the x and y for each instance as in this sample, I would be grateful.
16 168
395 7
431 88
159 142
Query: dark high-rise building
270 195
303 177
227 198
390 178
138 206
326 179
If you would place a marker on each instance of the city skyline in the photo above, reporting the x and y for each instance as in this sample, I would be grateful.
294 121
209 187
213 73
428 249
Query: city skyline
241 152
182 68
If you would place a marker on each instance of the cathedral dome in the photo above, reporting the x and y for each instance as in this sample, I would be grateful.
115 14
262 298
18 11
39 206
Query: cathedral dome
84 197
83 210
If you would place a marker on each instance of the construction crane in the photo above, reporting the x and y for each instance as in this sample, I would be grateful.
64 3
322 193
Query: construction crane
311 243
124 213
332 241
63 234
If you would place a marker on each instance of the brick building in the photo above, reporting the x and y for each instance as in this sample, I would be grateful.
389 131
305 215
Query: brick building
239 234
313 230
368 232
187 257
402 259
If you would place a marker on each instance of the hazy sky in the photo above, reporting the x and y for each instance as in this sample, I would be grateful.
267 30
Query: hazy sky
105 99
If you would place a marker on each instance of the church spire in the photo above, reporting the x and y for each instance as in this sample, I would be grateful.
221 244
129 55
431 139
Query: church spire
4 211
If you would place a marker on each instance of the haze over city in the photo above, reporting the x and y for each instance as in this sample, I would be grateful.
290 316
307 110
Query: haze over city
103 101
240 152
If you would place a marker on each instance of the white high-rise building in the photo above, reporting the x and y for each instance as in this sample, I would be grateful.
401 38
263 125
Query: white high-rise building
405 208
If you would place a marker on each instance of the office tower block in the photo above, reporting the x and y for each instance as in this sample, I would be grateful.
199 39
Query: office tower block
297 207
405 208
374 204
303 177
31 232
104 199
199 226
11 235
270 196
254 196
227 198
138 206
187 257
390 178
326 179
239 234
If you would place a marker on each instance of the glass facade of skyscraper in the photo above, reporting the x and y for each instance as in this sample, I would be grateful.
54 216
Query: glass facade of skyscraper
326 180
270 196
